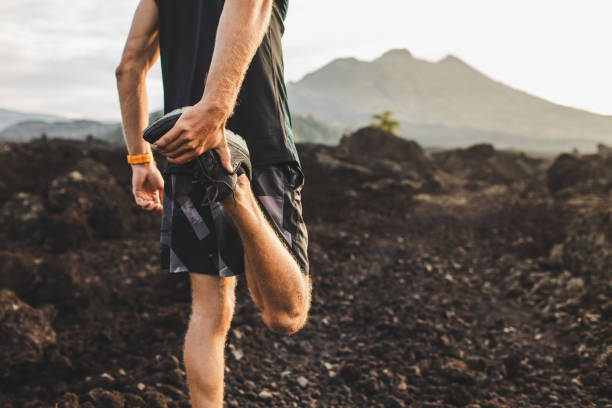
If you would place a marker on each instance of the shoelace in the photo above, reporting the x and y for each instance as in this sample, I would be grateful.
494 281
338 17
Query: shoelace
202 177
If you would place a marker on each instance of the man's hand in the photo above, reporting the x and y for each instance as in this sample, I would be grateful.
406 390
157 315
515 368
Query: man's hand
200 128
147 186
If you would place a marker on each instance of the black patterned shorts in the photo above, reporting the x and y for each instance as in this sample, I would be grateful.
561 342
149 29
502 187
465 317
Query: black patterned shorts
202 238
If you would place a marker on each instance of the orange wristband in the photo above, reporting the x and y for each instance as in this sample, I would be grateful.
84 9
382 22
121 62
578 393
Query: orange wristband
139 158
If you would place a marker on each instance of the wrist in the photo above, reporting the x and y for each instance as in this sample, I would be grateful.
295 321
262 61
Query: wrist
143 166
140 159
218 109
141 148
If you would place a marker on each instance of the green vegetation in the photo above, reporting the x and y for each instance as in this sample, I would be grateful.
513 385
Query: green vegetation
386 122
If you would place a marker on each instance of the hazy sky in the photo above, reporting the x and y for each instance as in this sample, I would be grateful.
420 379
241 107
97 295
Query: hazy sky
59 56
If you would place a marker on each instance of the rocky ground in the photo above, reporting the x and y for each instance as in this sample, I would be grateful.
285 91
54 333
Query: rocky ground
470 277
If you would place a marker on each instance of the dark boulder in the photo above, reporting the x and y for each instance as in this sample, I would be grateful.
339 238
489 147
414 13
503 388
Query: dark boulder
572 174
587 250
374 148
482 165
21 215
91 191
66 231
17 272
25 336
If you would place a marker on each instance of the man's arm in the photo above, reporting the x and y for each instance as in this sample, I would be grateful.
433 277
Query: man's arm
140 53
242 26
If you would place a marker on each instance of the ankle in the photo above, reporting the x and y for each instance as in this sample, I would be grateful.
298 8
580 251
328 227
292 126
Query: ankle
242 198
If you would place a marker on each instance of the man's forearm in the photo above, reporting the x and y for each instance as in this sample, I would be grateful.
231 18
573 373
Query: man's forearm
242 26
140 53
134 109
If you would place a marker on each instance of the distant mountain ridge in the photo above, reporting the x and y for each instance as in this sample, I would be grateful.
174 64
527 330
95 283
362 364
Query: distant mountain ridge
18 126
10 117
72 129
447 102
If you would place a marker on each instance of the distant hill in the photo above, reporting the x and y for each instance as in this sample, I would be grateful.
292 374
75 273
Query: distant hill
446 103
305 128
116 134
70 129
308 129
10 117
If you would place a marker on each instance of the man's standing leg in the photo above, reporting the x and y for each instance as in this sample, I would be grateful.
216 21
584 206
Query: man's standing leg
212 309
276 282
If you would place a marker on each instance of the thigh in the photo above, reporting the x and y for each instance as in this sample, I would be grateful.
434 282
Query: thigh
194 237
278 188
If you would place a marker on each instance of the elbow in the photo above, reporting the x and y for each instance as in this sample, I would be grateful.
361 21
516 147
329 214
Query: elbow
128 68
123 70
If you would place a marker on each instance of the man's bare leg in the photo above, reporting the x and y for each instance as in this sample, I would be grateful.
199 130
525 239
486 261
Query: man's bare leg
212 309
276 282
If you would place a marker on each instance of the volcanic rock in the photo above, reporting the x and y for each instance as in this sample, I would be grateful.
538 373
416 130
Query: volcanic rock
384 152
587 251
106 399
573 174
482 165
63 281
25 336
20 216
17 272
68 400
448 297
95 196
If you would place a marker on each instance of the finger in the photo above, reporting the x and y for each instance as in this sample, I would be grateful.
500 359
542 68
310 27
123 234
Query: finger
183 158
143 204
170 135
180 151
224 156
177 143
149 205
157 199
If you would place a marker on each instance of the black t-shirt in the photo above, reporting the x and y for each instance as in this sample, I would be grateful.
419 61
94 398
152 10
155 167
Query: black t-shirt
187 30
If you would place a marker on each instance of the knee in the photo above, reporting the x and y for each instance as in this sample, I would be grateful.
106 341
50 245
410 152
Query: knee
284 322
214 320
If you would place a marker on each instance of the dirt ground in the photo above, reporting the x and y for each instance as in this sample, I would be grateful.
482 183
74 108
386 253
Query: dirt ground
470 277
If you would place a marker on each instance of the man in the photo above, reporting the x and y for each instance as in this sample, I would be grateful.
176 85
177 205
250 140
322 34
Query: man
223 60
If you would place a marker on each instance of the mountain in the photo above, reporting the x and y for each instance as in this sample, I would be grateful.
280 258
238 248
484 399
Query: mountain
67 129
445 103
9 117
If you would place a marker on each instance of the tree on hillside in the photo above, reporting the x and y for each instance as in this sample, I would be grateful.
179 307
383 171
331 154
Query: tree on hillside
386 122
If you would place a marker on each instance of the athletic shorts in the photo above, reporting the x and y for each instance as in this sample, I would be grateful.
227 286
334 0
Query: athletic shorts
201 238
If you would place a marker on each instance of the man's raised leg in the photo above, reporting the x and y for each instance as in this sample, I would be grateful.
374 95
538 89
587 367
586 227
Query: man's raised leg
276 282
212 309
